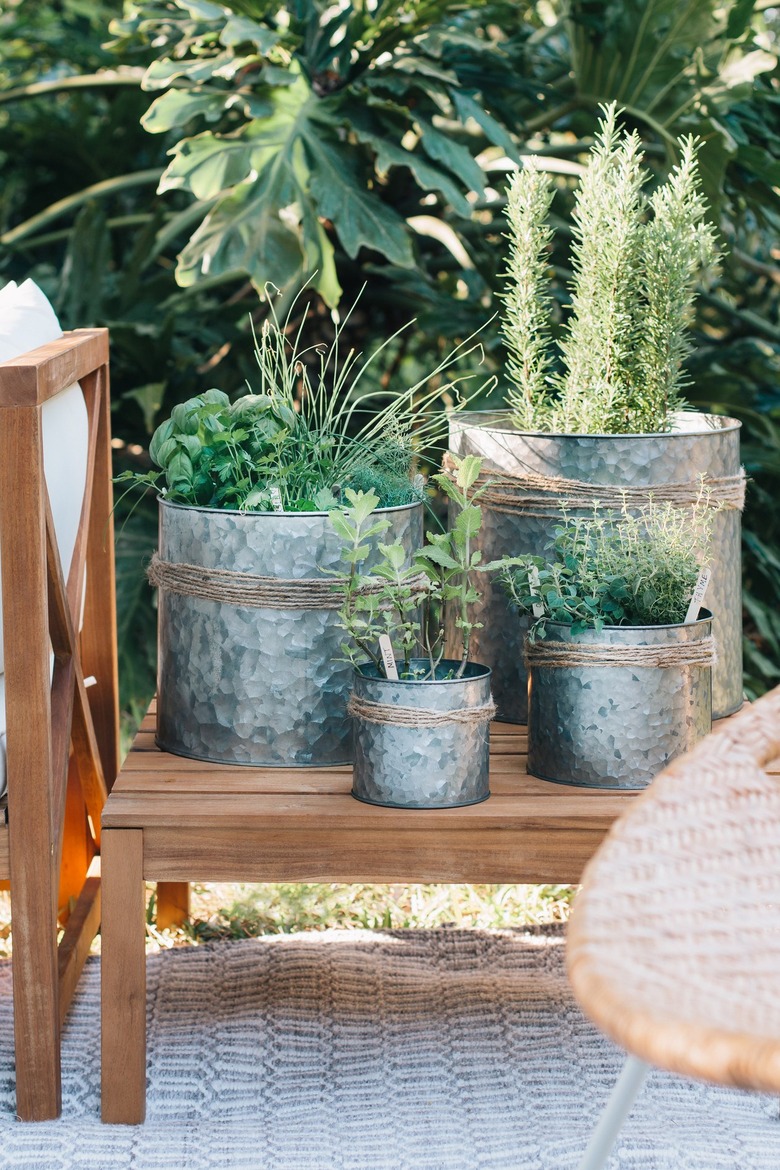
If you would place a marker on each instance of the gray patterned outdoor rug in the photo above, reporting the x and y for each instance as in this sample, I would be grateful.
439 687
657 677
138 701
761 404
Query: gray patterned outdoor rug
351 1050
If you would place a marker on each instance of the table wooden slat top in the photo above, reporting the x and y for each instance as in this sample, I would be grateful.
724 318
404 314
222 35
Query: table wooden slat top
302 823
151 777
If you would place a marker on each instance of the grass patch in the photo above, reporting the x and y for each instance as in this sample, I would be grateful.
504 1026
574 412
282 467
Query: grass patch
246 911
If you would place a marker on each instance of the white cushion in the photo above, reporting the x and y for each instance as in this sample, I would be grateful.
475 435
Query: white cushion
27 321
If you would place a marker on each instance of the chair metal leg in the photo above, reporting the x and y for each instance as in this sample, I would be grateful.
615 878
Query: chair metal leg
616 1111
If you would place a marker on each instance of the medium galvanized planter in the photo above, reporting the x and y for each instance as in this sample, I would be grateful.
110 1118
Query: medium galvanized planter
618 726
259 686
701 445
441 766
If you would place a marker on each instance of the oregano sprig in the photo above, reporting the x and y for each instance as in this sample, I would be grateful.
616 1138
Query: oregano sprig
411 614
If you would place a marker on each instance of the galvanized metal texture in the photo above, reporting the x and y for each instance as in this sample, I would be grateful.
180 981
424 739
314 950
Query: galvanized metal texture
422 767
617 726
257 686
701 444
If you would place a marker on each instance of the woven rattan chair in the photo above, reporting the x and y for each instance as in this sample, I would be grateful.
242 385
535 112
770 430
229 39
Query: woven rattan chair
60 692
674 943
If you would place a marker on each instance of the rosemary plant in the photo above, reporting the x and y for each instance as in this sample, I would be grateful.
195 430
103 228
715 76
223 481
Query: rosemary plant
636 264
304 437
525 323
631 569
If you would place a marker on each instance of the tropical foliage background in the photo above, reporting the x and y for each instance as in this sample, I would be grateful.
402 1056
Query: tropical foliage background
161 165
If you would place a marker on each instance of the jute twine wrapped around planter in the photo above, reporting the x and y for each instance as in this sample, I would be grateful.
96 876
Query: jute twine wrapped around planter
554 655
389 715
255 592
529 493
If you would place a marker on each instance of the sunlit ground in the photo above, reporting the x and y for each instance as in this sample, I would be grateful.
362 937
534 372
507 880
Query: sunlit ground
237 910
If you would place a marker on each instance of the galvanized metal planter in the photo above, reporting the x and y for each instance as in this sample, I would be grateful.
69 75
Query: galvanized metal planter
617 727
422 767
701 444
242 685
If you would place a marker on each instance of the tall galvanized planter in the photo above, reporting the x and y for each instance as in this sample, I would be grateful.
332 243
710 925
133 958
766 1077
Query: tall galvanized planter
617 726
248 684
699 445
422 744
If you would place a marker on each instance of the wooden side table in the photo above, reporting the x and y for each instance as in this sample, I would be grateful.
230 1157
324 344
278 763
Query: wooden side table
170 819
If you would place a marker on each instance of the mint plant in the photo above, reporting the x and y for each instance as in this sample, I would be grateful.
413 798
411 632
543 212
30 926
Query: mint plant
408 610
630 569
636 265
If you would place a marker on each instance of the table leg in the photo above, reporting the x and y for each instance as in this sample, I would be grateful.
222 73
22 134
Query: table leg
123 964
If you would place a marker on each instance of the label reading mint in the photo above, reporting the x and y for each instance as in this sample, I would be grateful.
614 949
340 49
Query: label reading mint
698 595
533 580
388 657
276 500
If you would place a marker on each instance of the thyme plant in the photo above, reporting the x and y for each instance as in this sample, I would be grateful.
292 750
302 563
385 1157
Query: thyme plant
636 263
409 611
630 569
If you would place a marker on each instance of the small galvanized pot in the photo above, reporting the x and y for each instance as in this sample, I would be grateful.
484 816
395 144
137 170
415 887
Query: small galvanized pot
441 766
617 726
699 444
261 686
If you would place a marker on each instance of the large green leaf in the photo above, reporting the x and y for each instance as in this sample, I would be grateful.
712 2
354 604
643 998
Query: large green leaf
175 107
452 155
208 164
361 219
389 153
240 28
244 232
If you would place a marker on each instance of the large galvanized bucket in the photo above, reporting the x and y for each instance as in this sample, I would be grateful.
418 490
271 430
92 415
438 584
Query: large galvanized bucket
600 726
257 685
699 445
443 761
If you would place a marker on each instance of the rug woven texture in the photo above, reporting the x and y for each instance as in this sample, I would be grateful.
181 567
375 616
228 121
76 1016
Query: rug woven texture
351 1050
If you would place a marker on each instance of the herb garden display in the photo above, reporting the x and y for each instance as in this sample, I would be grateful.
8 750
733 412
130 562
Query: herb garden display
301 617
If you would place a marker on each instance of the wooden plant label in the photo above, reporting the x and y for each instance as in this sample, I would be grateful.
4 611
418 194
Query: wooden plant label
533 578
698 595
388 657
276 500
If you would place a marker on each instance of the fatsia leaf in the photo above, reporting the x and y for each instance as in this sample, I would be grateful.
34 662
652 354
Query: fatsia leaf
451 155
360 218
468 107
177 106
389 153
202 9
161 73
241 28
243 232
208 164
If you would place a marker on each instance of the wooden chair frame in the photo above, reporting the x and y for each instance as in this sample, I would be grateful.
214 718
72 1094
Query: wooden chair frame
62 733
